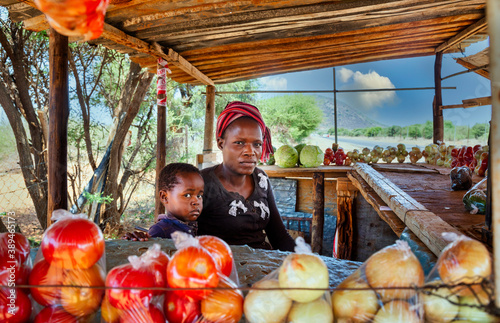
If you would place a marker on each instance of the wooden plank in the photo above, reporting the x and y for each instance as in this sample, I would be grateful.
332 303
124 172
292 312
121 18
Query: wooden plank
480 25
161 134
377 203
426 225
329 171
469 66
470 103
57 173
401 169
318 216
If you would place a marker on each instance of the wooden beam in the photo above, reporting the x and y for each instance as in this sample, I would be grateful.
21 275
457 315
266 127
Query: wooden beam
57 173
469 66
161 133
470 103
478 26
318 216
426 225
114 34
209 134
119 37
437 113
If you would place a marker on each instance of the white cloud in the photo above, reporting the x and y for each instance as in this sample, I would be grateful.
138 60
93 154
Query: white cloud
345 74
368 100
277 83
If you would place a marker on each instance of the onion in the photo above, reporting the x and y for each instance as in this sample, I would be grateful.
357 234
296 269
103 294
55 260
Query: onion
354 305
267 306
303 271
440 306
470 312
318 311
396 312
464 261
394 266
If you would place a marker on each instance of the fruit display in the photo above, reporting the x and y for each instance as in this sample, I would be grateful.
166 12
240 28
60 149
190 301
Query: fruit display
475 198
15 267
295 292
71 254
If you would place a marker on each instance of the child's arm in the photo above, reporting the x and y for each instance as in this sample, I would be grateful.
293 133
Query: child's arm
138 235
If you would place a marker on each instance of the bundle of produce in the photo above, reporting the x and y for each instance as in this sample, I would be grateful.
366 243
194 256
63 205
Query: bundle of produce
481 157
353 156
401 153
135 303
457 287
431 154
71 254
295 292
461 178
464 156
389 154
382 289
415 155
75 17
205 262
286 156
15 267
338 158
376 153
311 156
475 198
328 157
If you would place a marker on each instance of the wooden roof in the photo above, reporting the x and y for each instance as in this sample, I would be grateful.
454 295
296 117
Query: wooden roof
217 41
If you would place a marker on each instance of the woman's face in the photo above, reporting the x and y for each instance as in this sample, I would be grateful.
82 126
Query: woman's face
241 146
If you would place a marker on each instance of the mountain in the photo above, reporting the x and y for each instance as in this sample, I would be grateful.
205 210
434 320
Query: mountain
347 116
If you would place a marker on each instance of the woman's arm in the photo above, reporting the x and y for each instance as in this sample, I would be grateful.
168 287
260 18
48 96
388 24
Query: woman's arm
276 232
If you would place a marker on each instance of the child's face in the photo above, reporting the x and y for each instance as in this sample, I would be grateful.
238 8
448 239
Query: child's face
185 200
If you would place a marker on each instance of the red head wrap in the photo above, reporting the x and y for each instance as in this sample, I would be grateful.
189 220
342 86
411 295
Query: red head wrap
237 109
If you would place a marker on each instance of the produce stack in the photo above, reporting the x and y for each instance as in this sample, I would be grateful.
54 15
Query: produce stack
71 254
15 268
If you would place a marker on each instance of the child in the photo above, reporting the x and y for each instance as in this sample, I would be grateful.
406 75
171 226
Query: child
181 192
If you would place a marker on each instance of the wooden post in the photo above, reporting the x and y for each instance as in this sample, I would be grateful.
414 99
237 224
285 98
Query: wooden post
57 173
161 132
437 113
318 217
209 120
493 12
345 225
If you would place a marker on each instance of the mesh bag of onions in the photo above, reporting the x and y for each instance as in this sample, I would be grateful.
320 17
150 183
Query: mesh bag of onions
459 287
295 292
71 263
383 289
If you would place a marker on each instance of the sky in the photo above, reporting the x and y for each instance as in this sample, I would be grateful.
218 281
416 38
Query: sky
397 107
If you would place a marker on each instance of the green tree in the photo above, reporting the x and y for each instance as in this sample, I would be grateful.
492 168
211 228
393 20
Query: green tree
428 130
291 118
373 131
415 131
393 131
478 130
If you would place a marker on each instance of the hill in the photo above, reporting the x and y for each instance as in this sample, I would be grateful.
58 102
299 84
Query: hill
347 116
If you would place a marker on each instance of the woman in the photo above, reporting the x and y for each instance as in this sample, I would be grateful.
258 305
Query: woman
238 202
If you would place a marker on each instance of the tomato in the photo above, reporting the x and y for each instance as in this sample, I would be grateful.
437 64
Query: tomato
128 276
223 305
221 252
15 306
83 301
181 309
55 314
73 243
45 274
109 313
159 268
14 246
192 267
151 314
14 272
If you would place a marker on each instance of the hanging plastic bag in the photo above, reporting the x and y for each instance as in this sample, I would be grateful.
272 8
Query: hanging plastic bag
136 303
296 292
71 259
75 17
384 288
459 286
475 198
461 178
15 268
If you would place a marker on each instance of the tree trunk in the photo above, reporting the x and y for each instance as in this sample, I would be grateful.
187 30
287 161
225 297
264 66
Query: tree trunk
130 102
